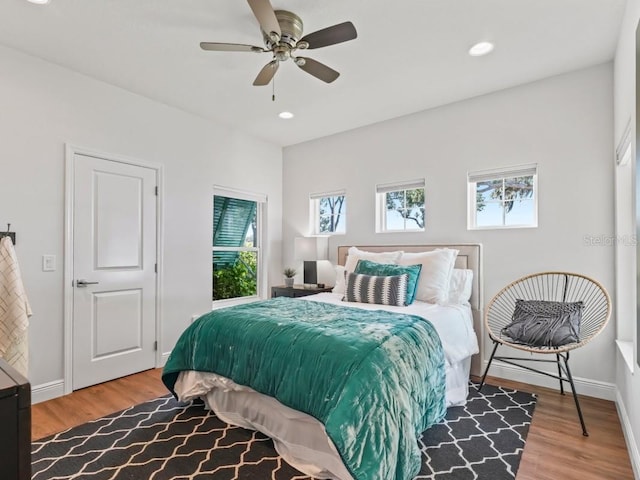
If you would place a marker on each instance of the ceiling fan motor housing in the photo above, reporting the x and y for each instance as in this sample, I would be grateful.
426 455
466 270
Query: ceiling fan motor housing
291 27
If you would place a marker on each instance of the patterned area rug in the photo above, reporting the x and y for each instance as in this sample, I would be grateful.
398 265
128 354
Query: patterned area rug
165 440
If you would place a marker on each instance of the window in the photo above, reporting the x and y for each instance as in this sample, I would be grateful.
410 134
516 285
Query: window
237 242
400 207
328 213
503 198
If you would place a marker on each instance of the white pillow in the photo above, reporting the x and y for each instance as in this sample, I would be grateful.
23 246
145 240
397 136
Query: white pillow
379 257
460 286
435 276
353 256
340 286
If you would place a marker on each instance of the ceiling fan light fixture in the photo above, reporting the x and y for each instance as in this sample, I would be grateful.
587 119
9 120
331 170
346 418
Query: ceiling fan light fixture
480 49
281 54
39 2
286 115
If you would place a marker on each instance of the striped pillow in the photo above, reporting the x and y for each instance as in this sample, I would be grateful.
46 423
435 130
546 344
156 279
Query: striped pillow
387 290
413 271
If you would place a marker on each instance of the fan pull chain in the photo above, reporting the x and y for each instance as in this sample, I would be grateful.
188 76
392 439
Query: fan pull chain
273 89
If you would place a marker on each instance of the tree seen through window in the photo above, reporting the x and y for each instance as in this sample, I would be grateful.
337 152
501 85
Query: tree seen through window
331 214
405 209
506 201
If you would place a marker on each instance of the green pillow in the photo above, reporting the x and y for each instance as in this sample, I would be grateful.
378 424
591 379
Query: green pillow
368 267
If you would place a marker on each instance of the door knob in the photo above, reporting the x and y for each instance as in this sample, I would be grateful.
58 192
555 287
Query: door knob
84 283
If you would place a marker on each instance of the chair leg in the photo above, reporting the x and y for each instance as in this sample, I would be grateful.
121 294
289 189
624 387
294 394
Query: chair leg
575 395
486 370
560 374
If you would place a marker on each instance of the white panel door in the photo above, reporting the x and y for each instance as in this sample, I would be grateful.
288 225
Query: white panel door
114 264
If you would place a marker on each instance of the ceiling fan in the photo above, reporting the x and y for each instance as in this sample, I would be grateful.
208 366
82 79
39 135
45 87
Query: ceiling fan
282 35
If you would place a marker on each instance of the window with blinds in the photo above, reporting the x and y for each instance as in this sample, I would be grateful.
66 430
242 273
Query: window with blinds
328 212
236 244
503 198
400 206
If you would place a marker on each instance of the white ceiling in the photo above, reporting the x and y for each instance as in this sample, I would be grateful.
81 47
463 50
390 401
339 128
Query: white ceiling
410 55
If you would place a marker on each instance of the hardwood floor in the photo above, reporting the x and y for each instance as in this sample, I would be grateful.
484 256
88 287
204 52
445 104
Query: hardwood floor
94 402
555 448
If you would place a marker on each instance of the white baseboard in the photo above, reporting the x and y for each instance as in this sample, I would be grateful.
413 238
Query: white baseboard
47 391
55 389
632 445
584 386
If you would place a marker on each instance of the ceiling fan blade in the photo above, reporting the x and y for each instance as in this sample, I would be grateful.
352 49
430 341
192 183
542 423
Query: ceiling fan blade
230 47
265 15
267 73
342 32
318 70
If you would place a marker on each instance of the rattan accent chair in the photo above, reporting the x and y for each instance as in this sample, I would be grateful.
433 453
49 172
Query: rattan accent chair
548 286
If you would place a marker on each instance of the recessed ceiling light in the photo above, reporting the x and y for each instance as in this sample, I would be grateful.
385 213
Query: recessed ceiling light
480 49
39 2
285 115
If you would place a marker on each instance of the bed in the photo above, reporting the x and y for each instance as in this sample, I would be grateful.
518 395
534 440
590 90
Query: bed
368 378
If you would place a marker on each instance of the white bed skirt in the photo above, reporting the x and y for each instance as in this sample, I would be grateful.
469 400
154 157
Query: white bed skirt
299 438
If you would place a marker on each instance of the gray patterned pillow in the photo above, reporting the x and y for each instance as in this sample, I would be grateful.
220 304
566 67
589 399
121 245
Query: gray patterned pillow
542 323
387 290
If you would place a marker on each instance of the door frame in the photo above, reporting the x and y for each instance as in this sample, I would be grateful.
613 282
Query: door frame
68 289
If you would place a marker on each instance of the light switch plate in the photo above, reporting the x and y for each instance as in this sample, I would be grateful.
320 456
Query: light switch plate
48 263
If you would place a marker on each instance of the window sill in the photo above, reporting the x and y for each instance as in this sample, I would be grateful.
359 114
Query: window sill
216 304
501 227
626 351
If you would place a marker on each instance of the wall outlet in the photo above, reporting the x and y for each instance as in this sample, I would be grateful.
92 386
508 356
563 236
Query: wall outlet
48 263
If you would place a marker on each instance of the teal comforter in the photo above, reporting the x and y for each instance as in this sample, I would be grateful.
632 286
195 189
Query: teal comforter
375 379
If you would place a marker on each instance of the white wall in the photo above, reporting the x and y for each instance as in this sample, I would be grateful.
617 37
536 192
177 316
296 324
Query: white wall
564 124
627 383
42 106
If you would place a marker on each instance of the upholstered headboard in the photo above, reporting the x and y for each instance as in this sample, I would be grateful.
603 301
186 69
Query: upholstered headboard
469 256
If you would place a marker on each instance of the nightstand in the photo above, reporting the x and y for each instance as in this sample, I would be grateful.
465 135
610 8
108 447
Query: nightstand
296 291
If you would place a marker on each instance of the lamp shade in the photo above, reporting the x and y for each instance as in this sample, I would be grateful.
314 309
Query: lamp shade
305 248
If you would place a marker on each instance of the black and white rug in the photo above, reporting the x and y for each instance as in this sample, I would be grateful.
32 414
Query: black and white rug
482 440
165 440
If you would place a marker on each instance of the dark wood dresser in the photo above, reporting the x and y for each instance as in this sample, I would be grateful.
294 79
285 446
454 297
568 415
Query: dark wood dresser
15 424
